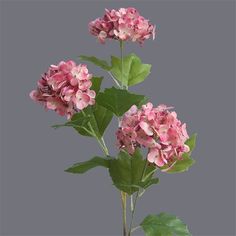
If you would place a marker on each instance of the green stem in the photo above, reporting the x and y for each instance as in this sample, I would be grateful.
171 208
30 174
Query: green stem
135 200
131 203
102 144
122 63
135 229
123 199
123 86
114 79
105 147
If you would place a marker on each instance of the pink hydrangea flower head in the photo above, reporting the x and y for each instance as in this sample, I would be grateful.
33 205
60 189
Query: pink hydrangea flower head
155 128
124 24
65 88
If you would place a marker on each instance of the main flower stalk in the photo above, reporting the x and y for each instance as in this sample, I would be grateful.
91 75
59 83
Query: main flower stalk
124 205
133 208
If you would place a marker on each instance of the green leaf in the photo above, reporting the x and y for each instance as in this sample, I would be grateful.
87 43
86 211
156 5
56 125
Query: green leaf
118 101
164 225
191 142
134 72
180 165
78 122
82 167
92 125
127 171
96 84
103 118
100 118
98 62
86 129
92 122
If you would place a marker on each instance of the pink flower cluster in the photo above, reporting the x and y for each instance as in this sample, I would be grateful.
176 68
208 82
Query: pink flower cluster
65 88
157 129
123 24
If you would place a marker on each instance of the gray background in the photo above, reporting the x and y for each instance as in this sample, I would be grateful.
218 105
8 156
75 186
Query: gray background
193 70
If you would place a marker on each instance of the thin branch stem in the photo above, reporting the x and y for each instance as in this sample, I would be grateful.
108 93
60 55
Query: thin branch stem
123 199
105 146
135 200
131 203
122 62
135 229
102 145
115 80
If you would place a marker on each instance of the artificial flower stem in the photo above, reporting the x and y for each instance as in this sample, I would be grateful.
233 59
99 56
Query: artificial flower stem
131 203
123 199
135 228
123 194
114 79
132 213
122 62
135 200
105 146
